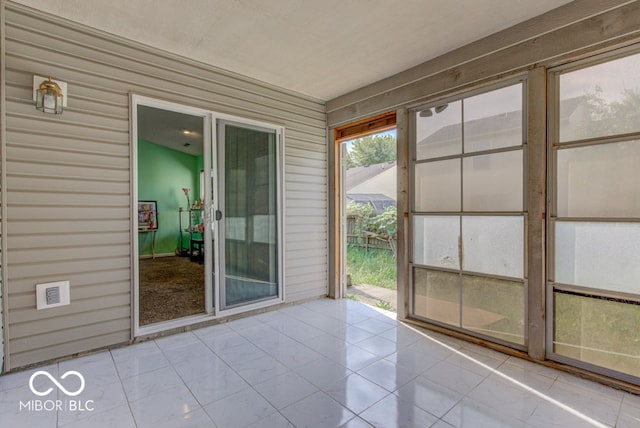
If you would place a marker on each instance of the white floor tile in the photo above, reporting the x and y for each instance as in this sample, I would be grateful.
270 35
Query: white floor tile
429 396
285 389
138 359
119 417
379 346
356 393
453 377
102 398
353 357
216 385
394 411
323 372
470 414
552 416
317 411
240 409
506 397
21 379
158 408
97 369
11 415
195 419
388 375
146 384
275 420
597 403
322 364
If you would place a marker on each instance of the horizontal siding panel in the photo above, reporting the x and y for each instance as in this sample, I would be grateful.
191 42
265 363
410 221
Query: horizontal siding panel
46 199
306 203
313 228
31 138
20 228
53 155
292 272
302 197
83 308
21 78
49 325
61 254
46 340
294 153
315 170
61 184
69 172
306 245
62 128
294 220
57 240
307 293
117 284
60 269
91 342
28 213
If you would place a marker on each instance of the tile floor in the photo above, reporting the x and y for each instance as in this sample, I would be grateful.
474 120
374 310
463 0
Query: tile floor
321 364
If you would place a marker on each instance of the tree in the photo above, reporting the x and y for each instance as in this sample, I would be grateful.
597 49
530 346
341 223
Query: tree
371 150
604 117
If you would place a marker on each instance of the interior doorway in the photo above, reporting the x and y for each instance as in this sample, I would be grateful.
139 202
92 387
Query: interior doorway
172 186
209 234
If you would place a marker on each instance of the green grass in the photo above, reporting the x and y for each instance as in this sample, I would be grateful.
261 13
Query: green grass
373 267
383 304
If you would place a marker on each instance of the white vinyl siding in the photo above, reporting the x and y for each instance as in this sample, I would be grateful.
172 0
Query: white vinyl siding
69 177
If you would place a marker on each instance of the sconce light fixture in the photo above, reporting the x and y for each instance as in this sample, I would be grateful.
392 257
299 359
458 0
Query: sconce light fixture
49 94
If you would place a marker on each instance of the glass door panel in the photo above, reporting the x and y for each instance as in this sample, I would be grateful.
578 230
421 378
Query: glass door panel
249 214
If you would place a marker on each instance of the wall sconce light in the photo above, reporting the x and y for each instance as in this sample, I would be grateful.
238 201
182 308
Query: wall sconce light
49 94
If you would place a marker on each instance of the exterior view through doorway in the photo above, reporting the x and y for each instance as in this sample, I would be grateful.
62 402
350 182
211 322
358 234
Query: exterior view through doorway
368 213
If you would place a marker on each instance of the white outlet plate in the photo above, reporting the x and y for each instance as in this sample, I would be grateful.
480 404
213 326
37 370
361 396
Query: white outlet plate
41 294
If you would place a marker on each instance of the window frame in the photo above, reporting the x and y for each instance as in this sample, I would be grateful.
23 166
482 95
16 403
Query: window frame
554 146
413 162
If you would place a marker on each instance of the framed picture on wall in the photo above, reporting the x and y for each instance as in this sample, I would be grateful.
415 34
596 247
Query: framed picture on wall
147 216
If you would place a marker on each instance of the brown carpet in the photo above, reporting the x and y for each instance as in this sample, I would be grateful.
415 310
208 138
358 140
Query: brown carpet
170 288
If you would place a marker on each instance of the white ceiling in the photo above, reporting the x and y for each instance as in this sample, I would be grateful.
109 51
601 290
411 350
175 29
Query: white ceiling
321 48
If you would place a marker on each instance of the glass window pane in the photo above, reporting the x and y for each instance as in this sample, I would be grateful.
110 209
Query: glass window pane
437 186
600 100
435 241
493 182
493 307
600 332
599 181
437 295
250 223
493 120
439 131
599 255
493 245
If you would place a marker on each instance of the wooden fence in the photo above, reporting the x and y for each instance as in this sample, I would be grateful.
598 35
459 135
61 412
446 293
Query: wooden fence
367 240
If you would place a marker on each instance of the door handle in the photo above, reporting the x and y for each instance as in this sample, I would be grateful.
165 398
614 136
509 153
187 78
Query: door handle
218 215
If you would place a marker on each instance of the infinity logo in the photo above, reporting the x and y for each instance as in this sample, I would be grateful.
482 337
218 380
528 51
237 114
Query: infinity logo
52 379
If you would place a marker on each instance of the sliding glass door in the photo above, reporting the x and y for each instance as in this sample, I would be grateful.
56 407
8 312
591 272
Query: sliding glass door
249 213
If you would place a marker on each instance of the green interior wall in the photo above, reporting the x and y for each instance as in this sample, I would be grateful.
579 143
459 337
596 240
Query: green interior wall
162 173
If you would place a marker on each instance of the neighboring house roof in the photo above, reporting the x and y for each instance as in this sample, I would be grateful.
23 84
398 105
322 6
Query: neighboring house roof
499 123
358 175
379 201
